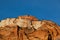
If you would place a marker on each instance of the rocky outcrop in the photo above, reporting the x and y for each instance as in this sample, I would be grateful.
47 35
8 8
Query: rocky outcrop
28 28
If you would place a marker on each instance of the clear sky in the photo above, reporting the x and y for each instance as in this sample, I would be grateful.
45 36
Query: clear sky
42 9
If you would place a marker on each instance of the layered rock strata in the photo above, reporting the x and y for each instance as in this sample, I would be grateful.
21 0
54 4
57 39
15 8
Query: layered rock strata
28 28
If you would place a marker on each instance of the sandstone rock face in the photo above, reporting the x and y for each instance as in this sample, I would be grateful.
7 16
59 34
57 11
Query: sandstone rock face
28 28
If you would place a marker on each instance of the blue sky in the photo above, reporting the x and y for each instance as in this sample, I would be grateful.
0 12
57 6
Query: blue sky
42 9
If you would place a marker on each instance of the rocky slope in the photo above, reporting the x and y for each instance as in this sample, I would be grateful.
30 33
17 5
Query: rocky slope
28 28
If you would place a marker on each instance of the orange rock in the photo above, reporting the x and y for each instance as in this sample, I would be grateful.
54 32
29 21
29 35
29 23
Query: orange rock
28 28
32 18
8 33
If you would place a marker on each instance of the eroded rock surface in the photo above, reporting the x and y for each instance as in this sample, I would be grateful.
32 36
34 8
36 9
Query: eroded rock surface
28 28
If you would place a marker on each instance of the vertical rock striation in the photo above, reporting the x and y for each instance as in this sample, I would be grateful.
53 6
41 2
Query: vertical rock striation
28 28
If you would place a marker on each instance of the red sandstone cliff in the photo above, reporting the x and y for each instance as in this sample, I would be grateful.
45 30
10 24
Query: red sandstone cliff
28 28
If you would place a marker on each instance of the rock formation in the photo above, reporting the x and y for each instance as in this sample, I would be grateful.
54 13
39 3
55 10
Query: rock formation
28 28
